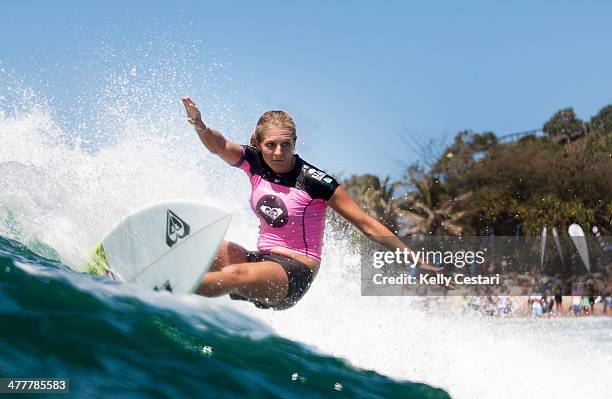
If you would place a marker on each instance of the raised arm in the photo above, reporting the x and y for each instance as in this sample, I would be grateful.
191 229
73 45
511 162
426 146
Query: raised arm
342 203
212 139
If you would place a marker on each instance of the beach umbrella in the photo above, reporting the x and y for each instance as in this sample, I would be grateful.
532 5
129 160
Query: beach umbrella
577 235
558 244
543 247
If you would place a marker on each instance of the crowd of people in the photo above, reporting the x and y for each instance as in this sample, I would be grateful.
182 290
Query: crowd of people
541 295
538 305
490 305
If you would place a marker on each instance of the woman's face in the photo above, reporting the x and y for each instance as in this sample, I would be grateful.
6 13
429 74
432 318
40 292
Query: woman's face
276 147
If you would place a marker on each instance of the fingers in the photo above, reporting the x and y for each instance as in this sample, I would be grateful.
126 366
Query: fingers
190 106
185 103
193 113
188 101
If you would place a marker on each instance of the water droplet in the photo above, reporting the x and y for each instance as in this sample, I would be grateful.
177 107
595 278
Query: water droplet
207 350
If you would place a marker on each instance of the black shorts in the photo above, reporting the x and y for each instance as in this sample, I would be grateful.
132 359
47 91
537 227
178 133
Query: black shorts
300 277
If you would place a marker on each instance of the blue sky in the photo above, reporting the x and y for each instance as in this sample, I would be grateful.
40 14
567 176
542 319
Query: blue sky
356 75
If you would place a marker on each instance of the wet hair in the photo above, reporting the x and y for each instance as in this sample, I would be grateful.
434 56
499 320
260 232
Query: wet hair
278 119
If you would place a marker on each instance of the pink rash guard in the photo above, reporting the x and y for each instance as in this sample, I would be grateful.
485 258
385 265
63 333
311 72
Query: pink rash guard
290 206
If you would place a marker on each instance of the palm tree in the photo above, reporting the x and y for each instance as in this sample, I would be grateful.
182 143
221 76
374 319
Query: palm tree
427 212
376 197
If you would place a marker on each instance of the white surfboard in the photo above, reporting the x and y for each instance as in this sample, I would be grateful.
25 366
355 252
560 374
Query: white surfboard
164 246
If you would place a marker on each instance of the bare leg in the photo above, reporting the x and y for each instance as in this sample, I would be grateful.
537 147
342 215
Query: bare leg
229 253
265 282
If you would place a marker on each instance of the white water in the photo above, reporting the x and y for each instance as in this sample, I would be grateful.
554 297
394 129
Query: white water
65 186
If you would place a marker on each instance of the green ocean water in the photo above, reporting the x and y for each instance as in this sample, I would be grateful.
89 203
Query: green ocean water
111 340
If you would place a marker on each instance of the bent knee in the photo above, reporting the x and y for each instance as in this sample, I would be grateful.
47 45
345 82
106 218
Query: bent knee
227 254
231 252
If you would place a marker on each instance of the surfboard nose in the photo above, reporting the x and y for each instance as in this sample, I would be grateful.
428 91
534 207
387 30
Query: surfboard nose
168 244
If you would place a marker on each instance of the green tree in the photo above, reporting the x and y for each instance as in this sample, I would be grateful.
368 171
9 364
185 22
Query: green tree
602 122
376 197
468 147
491 207
551 211
538 183
427 209
562 124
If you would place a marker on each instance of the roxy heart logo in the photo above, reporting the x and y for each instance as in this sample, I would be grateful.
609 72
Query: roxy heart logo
273 210
176 228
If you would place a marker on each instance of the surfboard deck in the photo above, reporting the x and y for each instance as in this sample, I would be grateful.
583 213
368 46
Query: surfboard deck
163 246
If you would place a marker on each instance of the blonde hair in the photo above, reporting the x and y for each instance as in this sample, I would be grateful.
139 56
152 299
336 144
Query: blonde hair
278 119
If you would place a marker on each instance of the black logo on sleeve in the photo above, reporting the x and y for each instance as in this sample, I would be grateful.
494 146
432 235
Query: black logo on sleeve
273 210
176 228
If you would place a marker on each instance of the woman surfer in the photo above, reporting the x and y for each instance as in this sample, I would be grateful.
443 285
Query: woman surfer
290 197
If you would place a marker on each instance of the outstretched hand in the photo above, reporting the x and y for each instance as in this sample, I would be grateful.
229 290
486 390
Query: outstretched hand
193 113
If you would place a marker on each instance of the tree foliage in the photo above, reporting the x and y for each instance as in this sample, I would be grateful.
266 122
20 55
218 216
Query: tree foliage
467 149
602 122
562 123
376 197
428 208
531 182
477 184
